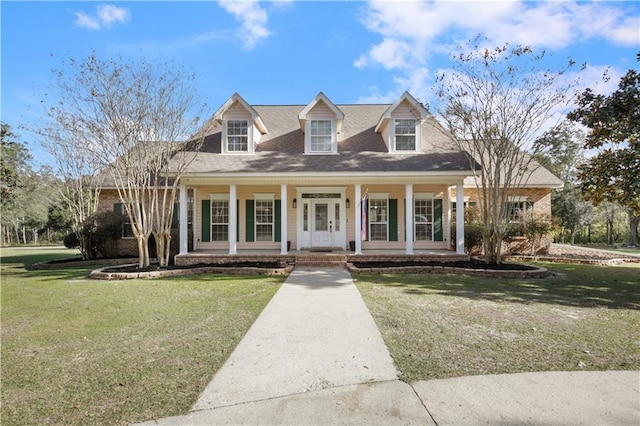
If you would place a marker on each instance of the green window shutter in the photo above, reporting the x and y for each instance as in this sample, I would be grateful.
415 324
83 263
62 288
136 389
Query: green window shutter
250 220
238 220
437 220
405 219
206 221
472 203
175 219
277 226
393 220
117 208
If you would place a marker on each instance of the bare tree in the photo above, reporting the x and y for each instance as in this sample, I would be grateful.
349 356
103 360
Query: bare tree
79 170
495 103
132 118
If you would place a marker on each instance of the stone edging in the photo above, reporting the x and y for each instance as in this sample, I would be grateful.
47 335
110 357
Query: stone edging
100 274
579 261
539 272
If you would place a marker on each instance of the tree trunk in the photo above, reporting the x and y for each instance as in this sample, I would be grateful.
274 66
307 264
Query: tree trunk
492 245
163 247
35 236
143 251
634 222
24 234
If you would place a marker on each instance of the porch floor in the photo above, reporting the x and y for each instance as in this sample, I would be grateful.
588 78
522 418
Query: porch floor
313 257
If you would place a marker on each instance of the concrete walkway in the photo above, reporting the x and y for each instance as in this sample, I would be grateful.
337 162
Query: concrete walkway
315 333
315 356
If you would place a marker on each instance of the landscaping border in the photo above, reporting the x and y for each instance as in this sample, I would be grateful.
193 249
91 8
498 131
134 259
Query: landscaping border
577 260
100 274
538 272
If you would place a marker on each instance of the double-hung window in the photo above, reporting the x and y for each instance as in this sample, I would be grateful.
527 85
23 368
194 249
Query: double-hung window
423 219
405 134
516 210
378 219
127 228
237 136
220 217
264 212
321 136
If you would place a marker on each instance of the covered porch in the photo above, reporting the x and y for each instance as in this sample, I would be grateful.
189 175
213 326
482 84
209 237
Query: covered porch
328 216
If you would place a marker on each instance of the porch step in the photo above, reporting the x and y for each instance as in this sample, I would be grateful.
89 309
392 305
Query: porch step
326 263
328 260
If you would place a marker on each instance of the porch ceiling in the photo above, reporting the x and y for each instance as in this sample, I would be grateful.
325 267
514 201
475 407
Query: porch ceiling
324 180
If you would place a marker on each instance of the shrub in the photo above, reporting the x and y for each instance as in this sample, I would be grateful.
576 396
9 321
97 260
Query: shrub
473 238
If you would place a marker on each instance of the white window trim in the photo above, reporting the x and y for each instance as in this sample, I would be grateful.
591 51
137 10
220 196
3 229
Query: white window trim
218 197
392 136
125 221
225 139
424 196
307 138
264 197
377 196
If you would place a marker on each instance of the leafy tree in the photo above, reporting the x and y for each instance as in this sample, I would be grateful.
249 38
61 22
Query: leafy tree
494 102
613 174
572 211
560 151
14 159
131 118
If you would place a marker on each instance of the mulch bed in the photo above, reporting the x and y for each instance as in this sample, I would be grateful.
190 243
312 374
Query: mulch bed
152 268
472 264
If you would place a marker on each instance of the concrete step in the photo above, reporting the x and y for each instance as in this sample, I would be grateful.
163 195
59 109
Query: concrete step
321 263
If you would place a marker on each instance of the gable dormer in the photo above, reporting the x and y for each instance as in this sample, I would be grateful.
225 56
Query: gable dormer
400 124
321 122
242 127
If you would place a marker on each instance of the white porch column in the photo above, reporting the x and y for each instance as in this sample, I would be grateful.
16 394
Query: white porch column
194 218
357 211
233 223
408 215
459 219
184 228
284 205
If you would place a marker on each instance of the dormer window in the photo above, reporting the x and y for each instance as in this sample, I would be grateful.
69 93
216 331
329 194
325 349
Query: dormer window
321 135
405 135
242 128
401 124
321 122
237 136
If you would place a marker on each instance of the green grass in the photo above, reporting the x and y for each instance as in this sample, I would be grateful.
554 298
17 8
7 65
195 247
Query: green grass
78 351
439 326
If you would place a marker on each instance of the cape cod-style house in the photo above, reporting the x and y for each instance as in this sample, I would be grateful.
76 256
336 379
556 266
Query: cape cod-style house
320 176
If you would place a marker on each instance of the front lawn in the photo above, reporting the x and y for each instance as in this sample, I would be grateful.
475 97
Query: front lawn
77 351
439 326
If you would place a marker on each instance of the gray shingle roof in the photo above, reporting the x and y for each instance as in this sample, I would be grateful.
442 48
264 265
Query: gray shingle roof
360 148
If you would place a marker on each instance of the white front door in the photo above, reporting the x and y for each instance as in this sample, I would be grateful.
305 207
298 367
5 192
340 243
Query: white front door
322 224
322 218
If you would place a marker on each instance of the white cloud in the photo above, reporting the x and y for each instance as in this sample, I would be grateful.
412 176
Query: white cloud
412 32
85 21
253 20
106 15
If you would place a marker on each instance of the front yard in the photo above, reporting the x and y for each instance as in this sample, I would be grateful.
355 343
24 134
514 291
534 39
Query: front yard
77 351
439 326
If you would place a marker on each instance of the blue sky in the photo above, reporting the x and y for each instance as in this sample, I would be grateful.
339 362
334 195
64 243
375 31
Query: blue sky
285 52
